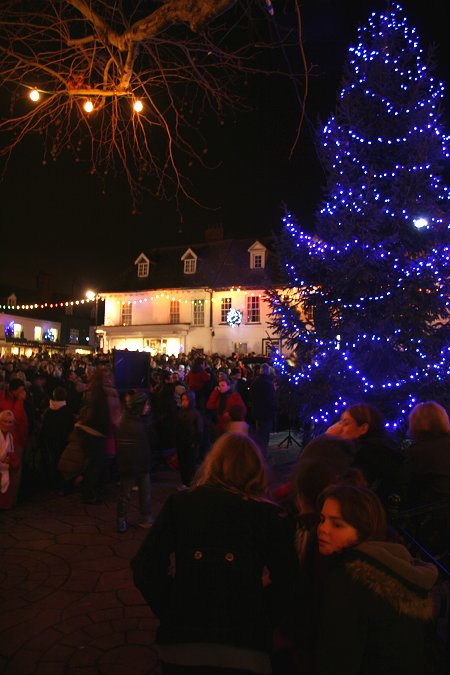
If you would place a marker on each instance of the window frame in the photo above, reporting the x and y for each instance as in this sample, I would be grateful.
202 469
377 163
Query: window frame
225 306
198 315
253 309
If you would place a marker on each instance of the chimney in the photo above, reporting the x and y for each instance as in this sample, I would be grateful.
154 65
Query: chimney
214 233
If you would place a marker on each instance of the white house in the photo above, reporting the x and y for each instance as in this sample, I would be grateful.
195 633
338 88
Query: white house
209 296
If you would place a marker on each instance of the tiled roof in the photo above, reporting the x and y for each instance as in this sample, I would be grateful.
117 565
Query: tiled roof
220 264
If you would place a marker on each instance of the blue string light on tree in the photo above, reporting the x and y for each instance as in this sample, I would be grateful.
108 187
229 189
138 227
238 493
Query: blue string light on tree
234 317
375 272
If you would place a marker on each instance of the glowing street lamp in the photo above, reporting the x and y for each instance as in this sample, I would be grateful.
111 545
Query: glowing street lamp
92 295
138 106
34 95
89 106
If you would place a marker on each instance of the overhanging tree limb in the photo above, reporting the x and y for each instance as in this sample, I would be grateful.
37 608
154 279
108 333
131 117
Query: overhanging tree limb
183 59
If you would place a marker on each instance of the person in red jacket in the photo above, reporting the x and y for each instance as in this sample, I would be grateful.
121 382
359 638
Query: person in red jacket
14 398
220 401
198 380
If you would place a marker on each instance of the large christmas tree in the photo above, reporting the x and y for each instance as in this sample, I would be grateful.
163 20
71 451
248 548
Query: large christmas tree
366 301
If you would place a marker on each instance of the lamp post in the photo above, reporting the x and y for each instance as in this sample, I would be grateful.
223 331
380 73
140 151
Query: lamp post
92 295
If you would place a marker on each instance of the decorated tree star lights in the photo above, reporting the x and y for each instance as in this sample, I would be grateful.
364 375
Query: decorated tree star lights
366 302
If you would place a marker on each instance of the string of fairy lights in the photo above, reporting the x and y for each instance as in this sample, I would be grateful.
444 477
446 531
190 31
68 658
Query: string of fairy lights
121 301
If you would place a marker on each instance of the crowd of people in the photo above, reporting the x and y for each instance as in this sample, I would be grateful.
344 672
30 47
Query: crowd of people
70 419
310 577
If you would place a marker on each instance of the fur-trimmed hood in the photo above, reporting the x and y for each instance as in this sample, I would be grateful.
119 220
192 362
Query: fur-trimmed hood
390 572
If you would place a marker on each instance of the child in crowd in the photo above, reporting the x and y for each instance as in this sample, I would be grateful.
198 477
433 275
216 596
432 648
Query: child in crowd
133 461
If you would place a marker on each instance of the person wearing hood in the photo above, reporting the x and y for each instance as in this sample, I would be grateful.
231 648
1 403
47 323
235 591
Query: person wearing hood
133 461
375 605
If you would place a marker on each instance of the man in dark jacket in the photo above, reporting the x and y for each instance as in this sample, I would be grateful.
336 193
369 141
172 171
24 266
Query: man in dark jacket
133 461
264 406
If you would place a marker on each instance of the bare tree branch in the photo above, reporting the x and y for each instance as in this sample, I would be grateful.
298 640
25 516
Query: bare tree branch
182 59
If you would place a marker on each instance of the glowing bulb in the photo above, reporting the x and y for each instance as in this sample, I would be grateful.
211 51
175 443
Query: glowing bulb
138 106
420 222
89 106
34 95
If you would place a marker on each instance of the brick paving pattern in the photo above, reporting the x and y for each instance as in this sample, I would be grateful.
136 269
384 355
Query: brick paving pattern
67 600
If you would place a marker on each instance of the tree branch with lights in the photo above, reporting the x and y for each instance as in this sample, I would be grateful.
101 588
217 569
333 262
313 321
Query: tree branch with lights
128 88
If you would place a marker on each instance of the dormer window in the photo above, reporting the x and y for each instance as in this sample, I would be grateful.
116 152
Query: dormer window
190 262
258 254
190 265
143 266
143 269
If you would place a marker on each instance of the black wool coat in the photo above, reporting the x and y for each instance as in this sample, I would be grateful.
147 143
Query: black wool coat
221 543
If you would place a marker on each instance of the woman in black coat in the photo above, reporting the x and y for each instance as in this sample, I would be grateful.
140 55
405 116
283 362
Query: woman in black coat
202 568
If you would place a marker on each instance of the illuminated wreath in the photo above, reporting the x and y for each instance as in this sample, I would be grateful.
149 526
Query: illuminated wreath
234 317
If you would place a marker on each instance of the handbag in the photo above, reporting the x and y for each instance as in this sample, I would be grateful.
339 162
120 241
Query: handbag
73 458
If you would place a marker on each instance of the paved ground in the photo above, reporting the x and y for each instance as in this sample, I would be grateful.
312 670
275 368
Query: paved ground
67 600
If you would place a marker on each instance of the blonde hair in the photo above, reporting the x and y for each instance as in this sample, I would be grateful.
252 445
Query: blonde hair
234 462
428 417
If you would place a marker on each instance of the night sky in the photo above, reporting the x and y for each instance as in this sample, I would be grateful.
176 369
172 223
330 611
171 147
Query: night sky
55 218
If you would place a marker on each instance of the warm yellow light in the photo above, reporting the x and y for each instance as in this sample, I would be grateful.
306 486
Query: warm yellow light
89 106
138 106
90 295
34 95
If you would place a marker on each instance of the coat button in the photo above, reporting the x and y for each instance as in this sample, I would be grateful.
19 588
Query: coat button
198 555
229 557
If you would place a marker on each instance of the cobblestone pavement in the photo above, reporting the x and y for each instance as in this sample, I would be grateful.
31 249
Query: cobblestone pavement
67 599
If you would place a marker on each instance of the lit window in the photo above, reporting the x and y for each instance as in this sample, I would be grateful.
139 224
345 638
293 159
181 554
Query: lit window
74 336
253 309
17 330
224 309
126 314
198 314
38 333
174 311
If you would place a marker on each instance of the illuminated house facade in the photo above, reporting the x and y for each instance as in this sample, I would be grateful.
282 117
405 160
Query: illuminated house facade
208 296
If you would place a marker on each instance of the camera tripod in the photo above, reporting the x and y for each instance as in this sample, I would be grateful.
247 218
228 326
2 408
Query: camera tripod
289 439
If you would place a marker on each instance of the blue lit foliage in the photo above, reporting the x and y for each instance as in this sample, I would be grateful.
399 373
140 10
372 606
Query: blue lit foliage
376 272
9 329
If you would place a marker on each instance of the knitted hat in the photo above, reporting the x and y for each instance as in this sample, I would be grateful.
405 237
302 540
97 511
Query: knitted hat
137 402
